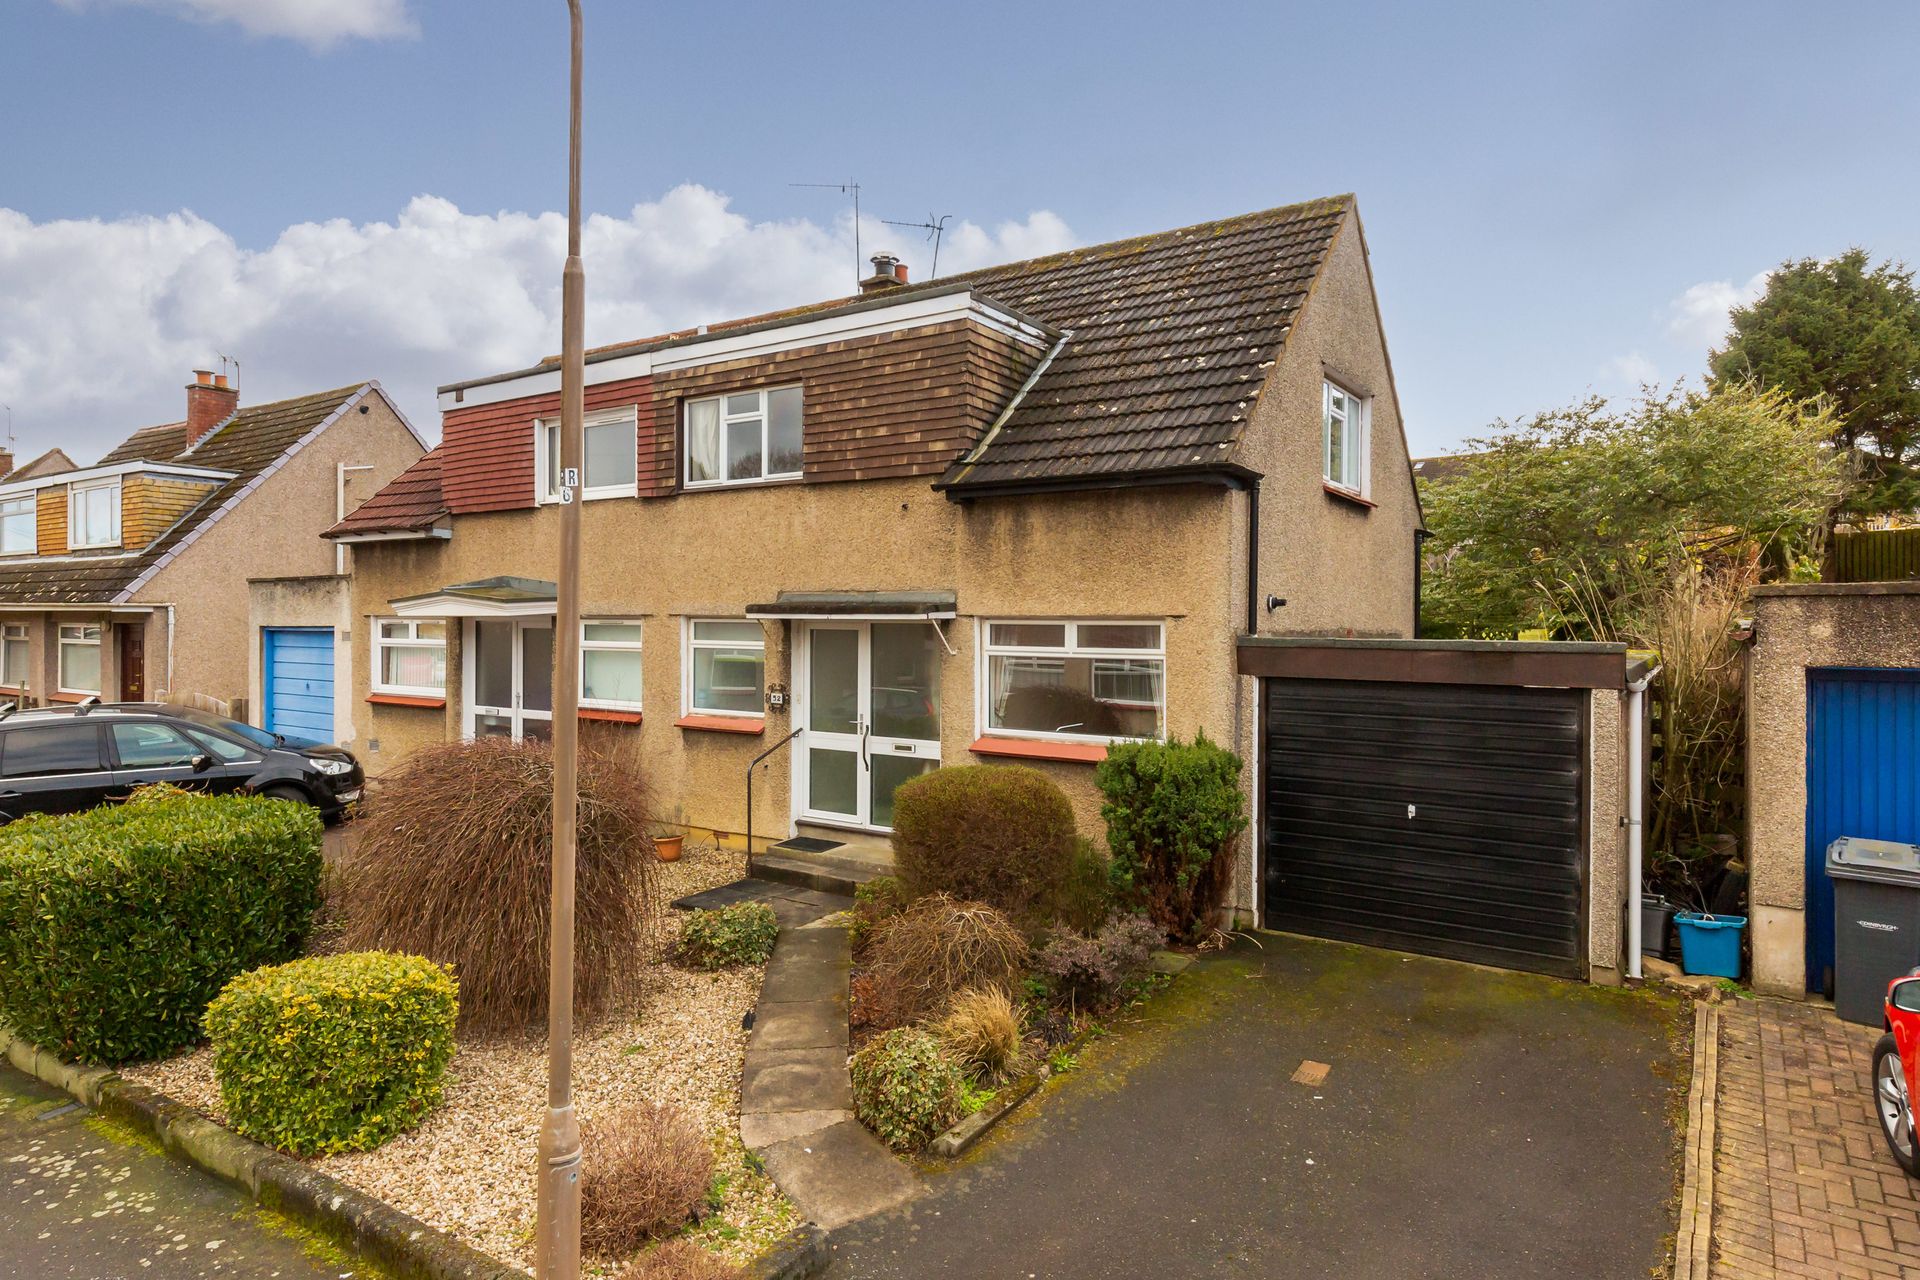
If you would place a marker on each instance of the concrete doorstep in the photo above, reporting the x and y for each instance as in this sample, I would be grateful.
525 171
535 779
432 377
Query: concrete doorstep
796 1097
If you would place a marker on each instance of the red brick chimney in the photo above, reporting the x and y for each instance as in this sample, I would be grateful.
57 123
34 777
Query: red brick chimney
6 463
210 402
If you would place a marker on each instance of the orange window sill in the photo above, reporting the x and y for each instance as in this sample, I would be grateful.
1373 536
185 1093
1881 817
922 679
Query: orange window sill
73 697
611 717
403 700
1028 749
1347 495
722 724
15 690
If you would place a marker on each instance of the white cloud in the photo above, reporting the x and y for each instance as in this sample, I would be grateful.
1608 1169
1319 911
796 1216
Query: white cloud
1634 369
318 23
1698 317
101 322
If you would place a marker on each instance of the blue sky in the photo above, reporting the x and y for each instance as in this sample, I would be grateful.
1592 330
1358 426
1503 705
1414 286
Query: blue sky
1559 198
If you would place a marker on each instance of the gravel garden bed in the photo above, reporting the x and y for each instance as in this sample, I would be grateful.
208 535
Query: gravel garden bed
469 1169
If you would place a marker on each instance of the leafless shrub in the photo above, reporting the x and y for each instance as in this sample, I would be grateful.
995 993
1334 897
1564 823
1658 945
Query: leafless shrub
935 949
982 1030
454 863
647 1170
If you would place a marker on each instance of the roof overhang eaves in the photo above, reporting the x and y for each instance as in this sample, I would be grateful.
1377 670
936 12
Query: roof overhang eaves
859 606
1230 475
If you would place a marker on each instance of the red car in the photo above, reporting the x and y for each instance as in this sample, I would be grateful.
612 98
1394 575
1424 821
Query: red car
1896 1070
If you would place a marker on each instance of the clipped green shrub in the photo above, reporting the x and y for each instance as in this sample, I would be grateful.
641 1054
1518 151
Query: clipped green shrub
1173 810
874 903
998 834
333 1053
1086 897
905 1088
118 925
743 933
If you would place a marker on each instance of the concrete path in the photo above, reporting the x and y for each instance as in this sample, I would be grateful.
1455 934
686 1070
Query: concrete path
81 1202
796 1100
1469 1124
793 905
1803 1184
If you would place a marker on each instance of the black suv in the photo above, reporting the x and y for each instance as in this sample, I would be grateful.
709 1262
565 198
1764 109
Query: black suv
64 759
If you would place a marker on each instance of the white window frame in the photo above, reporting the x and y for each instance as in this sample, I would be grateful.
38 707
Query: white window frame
412 640
62 641
983 682
545 492
75 497
13 633
1356 426
612 646
27 505
689 643
726 420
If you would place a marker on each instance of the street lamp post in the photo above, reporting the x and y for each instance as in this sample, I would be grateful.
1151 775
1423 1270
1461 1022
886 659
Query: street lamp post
557 1212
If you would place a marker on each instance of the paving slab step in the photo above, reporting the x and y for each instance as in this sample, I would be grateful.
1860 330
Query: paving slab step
815 871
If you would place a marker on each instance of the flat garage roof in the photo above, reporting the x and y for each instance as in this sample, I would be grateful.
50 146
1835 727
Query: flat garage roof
1556 664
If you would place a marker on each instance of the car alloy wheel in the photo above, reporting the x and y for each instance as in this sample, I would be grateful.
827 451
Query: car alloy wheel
1891 1102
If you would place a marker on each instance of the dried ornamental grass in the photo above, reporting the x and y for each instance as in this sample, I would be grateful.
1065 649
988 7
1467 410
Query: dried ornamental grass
982 1032
454 864
937 948
679 1260
647 1170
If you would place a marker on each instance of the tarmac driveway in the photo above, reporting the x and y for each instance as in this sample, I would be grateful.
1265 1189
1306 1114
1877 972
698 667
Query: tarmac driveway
1472 1124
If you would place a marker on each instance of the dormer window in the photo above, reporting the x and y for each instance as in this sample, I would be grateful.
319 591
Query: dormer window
93 515
19 534
744 437
612 440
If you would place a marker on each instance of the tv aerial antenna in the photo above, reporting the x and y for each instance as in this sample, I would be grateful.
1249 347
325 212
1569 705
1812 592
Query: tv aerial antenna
848 187
935 228
232 362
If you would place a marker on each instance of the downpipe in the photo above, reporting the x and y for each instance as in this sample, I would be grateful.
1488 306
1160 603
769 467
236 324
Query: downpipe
1636 810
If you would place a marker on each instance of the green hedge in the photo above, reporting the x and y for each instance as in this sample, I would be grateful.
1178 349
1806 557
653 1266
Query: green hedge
118 925
993 833
333 1053
1173 811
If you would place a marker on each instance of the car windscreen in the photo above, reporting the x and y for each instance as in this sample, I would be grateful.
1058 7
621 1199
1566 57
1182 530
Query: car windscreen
231 728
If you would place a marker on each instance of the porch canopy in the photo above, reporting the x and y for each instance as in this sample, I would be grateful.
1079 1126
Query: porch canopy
859 606
501 597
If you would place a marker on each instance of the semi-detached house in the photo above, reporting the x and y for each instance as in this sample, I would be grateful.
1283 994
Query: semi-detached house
1011 515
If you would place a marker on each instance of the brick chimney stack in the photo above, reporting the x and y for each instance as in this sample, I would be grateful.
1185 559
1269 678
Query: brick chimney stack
6 463
210 402
888 273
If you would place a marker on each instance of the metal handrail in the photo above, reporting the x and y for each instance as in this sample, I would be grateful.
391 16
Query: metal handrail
750 768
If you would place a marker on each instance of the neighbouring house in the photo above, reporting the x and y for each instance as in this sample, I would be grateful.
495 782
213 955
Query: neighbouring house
1142 489
127 580
1833 749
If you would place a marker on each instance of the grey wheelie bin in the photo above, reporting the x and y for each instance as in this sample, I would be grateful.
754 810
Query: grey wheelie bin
1876 922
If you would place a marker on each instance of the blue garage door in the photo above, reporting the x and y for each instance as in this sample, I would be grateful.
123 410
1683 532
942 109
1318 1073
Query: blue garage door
1863 779
298 688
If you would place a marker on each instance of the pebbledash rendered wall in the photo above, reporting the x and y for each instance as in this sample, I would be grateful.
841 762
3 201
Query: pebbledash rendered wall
1799 627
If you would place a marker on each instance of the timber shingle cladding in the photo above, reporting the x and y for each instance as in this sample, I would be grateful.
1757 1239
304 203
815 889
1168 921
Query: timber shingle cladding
246 444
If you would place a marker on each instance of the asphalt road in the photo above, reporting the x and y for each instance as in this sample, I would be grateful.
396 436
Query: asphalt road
1471 1124
83 1201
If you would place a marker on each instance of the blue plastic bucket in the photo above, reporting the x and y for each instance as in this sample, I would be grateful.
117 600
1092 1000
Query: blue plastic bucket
1709 945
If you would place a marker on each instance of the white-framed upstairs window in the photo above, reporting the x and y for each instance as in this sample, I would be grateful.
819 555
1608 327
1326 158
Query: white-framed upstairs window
744 437
93 515
15 649
19 526
410 657
611 463
726 667
1344 446
80 657
1097 681
610 664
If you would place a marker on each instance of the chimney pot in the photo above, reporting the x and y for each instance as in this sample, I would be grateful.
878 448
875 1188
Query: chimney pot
900 272
219 379
888 273
209 403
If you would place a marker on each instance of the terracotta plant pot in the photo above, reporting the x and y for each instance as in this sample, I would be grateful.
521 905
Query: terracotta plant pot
667 848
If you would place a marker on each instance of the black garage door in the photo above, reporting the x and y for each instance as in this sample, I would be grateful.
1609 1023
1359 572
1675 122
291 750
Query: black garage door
1438 818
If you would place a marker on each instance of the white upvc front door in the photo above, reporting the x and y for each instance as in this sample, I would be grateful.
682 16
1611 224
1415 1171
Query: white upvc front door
869 699
509 678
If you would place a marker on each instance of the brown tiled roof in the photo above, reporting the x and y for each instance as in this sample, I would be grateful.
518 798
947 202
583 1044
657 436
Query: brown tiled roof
1172 335
1444 467
411 500
248 444
149 444
52 462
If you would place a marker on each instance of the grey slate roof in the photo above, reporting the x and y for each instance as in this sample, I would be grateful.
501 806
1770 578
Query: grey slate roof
246 444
